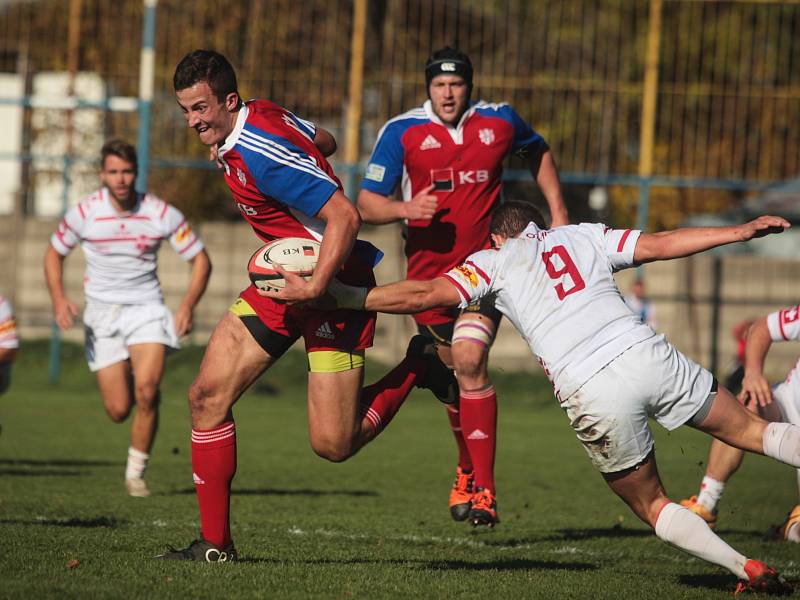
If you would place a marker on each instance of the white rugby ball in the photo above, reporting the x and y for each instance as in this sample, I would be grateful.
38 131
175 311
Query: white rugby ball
298 255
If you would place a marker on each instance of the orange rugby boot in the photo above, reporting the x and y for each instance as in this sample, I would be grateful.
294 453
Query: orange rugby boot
461 495
709 516
763 579
484 509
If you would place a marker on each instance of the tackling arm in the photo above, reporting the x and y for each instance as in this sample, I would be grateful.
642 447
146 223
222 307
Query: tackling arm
678 243
410 296
543 168
64 310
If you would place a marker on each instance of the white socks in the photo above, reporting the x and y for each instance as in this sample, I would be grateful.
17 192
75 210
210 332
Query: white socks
680 527
137 463
710 492
782 442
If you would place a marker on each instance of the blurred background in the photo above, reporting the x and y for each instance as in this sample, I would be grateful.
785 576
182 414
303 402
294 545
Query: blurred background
659 113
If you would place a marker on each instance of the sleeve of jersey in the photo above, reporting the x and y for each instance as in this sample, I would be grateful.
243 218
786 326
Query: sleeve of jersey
307 128
181 235
526 141
473 278
385 167
67 235
784 325
286 173
8 327
619 245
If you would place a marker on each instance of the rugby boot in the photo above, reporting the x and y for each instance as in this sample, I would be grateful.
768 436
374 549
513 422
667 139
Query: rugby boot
137 487
461 495
763 579
484 509
202 551
709 516
781 532
438 378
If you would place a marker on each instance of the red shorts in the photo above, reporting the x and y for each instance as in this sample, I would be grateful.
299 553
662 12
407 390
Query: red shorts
339 329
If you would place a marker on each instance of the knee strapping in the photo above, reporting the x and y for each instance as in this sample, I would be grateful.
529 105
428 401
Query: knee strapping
473 331
782 442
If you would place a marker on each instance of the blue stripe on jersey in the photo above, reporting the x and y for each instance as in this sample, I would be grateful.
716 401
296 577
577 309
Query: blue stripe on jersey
525 138
307 128
285 172
385 166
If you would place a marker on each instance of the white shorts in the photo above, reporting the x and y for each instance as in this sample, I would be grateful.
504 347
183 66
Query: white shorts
111 328
650 379
786 396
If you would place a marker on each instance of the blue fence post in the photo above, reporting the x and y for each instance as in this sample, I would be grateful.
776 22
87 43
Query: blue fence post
146 77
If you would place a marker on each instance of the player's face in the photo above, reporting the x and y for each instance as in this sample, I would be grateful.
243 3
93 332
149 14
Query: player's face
449 97
119 176
211 119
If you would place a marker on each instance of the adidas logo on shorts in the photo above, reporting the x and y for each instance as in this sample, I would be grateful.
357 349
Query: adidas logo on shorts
325 332
429 143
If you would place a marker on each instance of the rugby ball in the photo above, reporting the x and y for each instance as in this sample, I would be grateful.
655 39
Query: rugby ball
298 255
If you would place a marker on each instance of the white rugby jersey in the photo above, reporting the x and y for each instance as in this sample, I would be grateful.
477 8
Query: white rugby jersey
8 327
121 247
784 325
557 288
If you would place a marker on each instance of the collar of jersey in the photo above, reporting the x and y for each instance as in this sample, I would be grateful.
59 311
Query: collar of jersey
122 213
233 137
455 132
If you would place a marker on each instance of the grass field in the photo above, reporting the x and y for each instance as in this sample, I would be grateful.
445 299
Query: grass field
376 526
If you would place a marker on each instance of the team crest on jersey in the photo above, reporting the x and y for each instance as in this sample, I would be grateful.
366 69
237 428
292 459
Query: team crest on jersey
429 143
183 233
242 178
467 274
486 136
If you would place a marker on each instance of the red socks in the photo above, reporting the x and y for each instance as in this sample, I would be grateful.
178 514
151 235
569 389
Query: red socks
381 400
213 466
454 416
479 424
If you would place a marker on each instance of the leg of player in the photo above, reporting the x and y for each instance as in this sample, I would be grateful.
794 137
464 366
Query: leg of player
147 362
642 490
723 462
116 390
472 337
232 362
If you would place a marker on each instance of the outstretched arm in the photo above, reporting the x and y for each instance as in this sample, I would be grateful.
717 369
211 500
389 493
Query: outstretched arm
410 296
691 240
754 385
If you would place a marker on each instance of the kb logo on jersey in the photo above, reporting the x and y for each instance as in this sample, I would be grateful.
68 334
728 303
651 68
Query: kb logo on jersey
472 176
242 178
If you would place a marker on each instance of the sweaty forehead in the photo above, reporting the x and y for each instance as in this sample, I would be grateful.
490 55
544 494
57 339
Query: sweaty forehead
199 92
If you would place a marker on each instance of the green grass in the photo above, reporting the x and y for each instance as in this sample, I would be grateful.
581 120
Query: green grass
376 526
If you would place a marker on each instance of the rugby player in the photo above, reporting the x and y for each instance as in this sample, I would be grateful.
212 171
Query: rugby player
609 370
9 342
447 157
128 329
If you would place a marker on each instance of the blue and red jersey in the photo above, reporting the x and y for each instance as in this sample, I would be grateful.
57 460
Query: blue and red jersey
465 162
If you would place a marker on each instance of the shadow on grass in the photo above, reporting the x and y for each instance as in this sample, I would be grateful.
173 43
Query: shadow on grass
439 565
110 522
725 583
285 492
42 473
55 462
571 535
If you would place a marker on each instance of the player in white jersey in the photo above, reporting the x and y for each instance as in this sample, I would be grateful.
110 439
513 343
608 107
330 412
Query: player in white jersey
128 328
610 371
9 342
779 403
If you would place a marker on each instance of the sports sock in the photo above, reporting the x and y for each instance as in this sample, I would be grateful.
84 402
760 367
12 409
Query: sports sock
793 534
464 459
213 466
782 442
710 492
680 527
137 463
381 400
479 425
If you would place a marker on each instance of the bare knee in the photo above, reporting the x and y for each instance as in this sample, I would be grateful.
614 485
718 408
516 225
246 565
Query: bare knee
146 394
205 401
118 413
469 361
335 451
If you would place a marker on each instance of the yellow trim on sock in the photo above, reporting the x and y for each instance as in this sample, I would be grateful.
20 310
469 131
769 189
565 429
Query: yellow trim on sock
335 361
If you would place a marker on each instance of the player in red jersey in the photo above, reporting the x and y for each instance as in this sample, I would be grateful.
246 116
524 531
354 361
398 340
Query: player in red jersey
447 156
274 164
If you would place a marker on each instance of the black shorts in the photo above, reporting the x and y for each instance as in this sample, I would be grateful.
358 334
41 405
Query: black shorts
443 332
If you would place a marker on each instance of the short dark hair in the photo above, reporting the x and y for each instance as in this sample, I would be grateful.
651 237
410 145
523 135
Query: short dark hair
511 218
208 66
120 149
448 61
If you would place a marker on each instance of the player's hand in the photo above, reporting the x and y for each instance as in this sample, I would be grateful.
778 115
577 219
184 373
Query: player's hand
213 156
65 311
422 206
296 290
184 321
762 226
755 388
